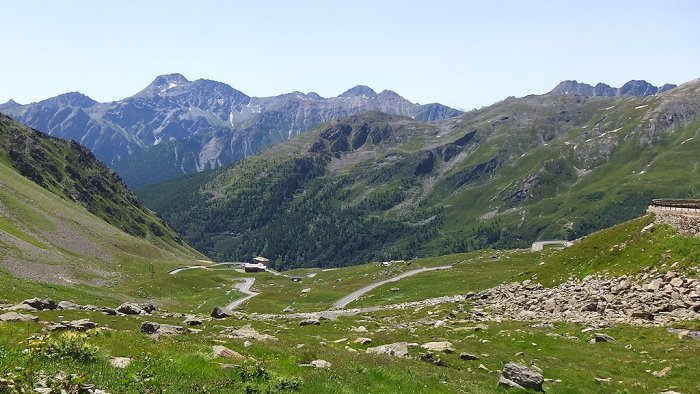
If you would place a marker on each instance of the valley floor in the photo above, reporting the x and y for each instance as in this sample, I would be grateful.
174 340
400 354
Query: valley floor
616 312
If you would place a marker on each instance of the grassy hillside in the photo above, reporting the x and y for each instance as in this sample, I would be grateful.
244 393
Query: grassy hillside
69 229
380 187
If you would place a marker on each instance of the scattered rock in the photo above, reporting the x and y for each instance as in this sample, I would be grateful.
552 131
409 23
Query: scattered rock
248 332
649 299
67 306
310 322
149 327
78 325
23 308
363 340
397 349
468 357
129 308
359 329
685 333
219 313
153 328
223 351
445 347
395 289
603 380
321 364
120 362
289 309
147 307
430 358
14 316
108 311
38 304
522 376
661 373
305 291
193 321
600 337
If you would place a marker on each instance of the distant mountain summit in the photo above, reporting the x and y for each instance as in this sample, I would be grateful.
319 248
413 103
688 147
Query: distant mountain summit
359 91
631 88
175 126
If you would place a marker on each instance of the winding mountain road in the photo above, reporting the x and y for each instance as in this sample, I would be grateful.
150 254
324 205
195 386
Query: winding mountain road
244 287
343 302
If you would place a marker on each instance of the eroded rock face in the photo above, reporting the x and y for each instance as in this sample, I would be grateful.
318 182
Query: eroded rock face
521 376
643 300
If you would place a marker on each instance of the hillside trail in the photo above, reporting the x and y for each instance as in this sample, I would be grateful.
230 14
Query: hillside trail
343 302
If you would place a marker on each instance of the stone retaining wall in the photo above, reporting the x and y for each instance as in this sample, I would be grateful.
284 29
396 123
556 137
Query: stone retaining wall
685 220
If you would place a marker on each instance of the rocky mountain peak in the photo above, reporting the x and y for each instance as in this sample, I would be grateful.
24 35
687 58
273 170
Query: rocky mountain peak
163 83
636 88
10 104
359 91
72 99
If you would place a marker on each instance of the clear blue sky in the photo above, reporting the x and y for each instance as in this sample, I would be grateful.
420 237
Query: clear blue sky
462 53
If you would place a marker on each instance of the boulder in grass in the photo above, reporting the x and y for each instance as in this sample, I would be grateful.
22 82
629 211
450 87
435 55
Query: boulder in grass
67 306
310 322
223 351
444 347
521 376
129 308
398 349
14 316
220 313
38 304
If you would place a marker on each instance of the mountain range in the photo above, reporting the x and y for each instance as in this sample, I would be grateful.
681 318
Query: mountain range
379 186
176 126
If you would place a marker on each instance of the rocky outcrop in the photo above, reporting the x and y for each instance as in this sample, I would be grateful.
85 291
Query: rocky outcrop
643 300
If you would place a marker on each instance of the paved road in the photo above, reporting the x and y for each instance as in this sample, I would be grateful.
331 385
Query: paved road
341 303
243 287
176 270
539 245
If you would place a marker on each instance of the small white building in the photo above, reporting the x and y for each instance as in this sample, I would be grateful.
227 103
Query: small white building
254 267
